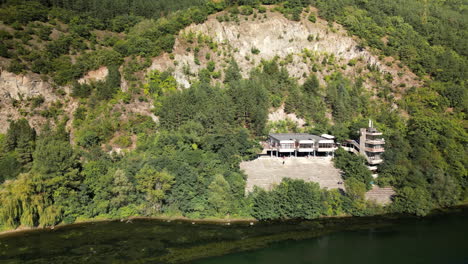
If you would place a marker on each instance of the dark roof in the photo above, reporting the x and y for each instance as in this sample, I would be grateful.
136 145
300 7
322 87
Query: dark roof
295 136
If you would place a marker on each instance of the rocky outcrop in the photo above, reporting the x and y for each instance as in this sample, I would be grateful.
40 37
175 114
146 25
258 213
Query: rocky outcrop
95 76
279 115
274 36
19 87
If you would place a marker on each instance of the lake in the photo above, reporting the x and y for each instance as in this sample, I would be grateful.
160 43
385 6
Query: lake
440 238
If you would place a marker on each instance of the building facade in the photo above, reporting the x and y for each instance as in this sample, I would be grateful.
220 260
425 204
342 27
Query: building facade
300 143
370 145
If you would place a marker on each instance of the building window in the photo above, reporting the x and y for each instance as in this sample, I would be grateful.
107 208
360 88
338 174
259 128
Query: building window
325 145
287 145
309 146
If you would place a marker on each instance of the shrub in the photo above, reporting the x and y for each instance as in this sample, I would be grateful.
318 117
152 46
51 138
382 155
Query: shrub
211 66
81 90
123 141
88 139
313 18
16 67
246 10
352 62
255 51
37 101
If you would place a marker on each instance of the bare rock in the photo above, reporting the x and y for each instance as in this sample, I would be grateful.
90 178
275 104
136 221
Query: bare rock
94 76
19 87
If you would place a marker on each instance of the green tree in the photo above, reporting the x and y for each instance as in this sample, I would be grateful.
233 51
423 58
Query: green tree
312 86
355 189
154 185
264 204
232 73
353 166
54 156
21 138
123 190
446 190
413 200
219 196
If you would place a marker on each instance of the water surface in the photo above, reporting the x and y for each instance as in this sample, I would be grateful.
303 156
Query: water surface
442 239
384 239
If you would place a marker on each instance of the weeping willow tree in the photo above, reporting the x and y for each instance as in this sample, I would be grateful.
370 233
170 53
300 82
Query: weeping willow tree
24 202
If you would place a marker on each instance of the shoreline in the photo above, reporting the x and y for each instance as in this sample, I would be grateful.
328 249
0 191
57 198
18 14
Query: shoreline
216 221
24 229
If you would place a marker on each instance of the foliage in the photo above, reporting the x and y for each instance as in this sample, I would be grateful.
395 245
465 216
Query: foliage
155 186
353 166
290 199
159 84
188 163
413 200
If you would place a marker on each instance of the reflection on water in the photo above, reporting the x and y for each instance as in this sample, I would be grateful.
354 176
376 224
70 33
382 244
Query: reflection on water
437 239
442 239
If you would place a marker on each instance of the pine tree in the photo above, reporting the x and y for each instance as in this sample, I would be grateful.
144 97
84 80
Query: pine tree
219 195
232 73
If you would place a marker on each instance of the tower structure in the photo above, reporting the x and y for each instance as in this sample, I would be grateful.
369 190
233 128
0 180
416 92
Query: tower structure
371 146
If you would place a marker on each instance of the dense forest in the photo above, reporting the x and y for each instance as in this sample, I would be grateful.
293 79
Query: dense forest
187 163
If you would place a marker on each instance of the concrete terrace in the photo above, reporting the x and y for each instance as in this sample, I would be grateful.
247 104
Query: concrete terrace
265 172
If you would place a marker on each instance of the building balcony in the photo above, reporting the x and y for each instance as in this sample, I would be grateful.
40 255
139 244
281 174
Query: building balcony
375 141
286 149
374 150
327 149
373 132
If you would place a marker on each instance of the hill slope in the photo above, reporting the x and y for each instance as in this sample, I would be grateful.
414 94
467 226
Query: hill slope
100 123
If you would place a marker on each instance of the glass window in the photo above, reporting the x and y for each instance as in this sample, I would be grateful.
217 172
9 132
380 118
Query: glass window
287 145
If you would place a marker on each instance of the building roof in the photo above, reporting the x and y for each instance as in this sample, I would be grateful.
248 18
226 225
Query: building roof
295 136
327 136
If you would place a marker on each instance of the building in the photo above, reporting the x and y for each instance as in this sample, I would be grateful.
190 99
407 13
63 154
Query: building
370 145
300 144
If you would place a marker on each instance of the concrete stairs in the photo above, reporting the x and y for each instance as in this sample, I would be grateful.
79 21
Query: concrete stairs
380 195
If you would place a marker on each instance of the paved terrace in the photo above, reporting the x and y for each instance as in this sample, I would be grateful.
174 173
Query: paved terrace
266 172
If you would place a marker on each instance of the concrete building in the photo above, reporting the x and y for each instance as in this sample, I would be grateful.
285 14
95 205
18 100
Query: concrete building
300 143
370 145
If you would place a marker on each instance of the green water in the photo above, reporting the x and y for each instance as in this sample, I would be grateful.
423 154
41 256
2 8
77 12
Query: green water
441 240
436 239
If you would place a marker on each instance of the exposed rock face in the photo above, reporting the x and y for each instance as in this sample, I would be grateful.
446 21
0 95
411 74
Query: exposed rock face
274 36
95 76
19 87
279 114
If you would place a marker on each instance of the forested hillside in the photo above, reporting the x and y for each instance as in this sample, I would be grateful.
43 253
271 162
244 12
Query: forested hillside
134 142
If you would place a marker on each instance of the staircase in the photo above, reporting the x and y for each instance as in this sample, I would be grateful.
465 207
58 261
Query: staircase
380 195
